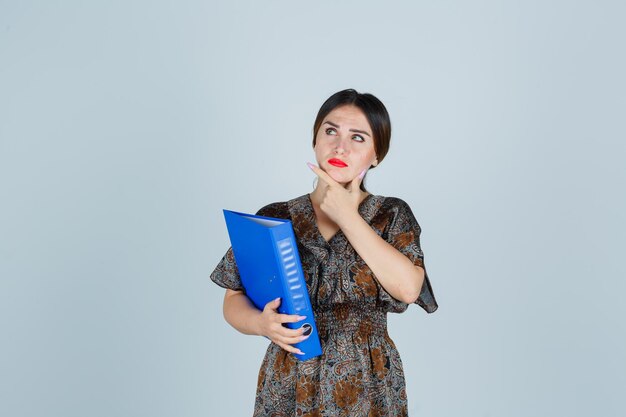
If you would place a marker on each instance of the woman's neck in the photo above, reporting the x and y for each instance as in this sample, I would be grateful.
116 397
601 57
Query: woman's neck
318 193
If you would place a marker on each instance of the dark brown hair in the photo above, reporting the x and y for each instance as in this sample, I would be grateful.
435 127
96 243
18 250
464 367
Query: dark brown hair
374 111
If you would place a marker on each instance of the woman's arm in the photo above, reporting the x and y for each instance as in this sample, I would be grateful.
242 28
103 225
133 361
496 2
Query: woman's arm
394 271
240 313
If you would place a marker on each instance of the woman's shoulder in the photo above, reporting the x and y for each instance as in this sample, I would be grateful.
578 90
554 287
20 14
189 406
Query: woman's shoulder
280 209
273 209
395 209
393 203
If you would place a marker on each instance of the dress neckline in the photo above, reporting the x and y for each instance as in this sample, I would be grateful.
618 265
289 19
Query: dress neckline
339 231
368 207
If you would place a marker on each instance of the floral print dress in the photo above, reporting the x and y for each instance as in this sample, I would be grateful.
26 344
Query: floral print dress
359 372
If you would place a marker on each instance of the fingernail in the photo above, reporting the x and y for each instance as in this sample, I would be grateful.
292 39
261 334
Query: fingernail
362 174
300 352
301 318
304 337
276 299
310 165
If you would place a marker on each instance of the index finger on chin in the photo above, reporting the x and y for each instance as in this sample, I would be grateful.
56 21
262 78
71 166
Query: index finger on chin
322 175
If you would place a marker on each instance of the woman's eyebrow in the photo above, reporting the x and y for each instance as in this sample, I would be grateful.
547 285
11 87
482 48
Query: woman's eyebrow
360 131
351 130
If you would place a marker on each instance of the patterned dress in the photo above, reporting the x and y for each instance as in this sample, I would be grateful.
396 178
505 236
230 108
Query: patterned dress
360 372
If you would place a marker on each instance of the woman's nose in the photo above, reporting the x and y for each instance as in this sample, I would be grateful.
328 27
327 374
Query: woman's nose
342 146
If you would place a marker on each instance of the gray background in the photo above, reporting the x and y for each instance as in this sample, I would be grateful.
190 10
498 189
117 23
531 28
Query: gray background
126 126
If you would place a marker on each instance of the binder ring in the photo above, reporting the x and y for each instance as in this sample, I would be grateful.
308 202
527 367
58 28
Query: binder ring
307 329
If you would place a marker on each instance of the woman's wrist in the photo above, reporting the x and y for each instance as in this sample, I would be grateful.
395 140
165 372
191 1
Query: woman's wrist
257 324
351 222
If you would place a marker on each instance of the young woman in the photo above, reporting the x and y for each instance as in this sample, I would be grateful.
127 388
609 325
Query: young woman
361 259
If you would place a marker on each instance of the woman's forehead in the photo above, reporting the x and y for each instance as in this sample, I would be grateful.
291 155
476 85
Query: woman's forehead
348 117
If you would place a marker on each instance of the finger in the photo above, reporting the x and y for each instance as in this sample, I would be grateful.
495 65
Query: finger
281 331
289 318
286 332
292 341
356 182
272 305
322 175
290 348
294 336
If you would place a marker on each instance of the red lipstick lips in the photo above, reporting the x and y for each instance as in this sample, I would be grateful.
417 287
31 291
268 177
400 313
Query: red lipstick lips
337 163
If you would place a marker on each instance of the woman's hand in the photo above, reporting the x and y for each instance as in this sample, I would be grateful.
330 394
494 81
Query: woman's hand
337 202
271 326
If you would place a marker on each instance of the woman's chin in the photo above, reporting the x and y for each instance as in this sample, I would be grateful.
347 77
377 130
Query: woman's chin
339 175
341 179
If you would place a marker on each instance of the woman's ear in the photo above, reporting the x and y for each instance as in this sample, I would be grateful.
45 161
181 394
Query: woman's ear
375 162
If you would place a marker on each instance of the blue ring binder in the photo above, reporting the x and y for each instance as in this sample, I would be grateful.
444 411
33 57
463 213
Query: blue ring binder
267 258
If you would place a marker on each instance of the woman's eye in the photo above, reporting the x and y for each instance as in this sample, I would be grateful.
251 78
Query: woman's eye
358 138
330 131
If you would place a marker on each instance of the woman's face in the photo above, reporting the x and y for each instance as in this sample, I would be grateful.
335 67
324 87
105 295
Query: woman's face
344 145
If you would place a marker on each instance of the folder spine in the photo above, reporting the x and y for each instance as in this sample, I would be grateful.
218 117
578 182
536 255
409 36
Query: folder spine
294 288
286 255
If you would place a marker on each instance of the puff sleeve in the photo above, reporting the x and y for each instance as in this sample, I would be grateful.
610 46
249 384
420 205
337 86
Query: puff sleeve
226 274
403 233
